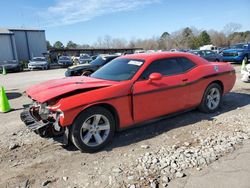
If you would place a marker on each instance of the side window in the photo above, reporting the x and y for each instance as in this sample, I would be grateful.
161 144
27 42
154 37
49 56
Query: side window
209 52
202 53
186 64
166 67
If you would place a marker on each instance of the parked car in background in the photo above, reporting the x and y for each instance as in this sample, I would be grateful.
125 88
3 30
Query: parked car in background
87 69
126 92
11 66
178 50
75 59
38 63
93 57
84 58
208 55
237 52
65 61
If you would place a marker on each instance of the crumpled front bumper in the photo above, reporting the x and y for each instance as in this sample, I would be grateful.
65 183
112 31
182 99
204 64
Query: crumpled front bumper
41 127
30 120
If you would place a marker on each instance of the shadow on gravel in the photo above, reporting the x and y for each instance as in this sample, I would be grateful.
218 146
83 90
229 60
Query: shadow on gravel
230 102
148 130
13 95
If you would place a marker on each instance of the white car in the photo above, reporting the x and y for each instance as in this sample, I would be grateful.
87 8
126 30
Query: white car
84 58
38 63
246 74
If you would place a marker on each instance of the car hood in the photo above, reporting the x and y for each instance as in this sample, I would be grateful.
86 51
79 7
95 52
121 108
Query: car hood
83 66
55 88
233 50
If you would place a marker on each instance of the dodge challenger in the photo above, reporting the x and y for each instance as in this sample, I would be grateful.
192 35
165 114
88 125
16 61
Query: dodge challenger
126 92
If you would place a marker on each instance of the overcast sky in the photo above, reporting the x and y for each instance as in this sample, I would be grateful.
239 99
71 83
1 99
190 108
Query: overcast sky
83 21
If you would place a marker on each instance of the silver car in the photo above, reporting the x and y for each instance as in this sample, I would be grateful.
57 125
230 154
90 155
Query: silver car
38 63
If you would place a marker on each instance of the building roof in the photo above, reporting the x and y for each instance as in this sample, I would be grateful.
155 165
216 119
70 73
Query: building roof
5 31
25 29
9 30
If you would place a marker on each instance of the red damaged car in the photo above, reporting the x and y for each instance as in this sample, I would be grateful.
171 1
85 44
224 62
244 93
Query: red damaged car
126 92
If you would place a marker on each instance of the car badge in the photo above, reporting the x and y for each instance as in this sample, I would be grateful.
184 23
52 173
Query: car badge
216 68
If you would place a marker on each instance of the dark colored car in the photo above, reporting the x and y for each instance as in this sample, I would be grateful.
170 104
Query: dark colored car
65 61
11 66
87 69
208 55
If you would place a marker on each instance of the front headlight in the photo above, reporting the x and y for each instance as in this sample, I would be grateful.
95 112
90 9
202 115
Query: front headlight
240 53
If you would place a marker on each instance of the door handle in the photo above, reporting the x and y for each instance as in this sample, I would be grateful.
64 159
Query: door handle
184 80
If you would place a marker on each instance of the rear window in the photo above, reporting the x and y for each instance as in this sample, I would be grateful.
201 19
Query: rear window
186 64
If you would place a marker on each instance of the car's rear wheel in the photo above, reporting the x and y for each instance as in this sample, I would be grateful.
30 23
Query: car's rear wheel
93 129
211 99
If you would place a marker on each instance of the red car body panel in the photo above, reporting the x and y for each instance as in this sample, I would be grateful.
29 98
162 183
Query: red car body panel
133 100
54 88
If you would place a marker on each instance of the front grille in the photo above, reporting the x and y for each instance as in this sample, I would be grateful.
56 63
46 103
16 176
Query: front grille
230 54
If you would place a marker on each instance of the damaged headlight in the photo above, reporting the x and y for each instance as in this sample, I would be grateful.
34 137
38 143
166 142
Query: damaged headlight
44 112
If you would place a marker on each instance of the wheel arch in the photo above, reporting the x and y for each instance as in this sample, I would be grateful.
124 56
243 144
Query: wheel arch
220 83
107 106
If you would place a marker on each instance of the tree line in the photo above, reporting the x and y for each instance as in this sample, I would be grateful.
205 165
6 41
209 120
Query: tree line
186 38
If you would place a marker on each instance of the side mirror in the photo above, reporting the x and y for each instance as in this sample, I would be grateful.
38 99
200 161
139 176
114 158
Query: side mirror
154 76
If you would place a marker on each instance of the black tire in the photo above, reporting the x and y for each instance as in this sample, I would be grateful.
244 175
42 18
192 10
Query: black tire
76 133
86 73
204 105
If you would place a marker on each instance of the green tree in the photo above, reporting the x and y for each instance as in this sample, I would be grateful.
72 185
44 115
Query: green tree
71 44
165 35
48 45
187 37
58 44
187 32
194 43
164 41
204 38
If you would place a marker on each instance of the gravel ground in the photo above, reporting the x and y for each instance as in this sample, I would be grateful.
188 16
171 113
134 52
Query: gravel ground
149 156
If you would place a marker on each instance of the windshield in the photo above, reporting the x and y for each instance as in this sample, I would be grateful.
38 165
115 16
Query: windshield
38 59
64 58
85 57
98 61
238 46
118 69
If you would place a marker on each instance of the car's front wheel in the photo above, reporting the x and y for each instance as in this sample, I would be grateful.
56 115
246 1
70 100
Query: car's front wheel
211 99
93 129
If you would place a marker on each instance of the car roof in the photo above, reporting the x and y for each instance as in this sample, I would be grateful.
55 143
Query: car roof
161 55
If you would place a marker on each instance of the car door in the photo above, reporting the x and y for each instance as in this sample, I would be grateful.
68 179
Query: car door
159 97
210 55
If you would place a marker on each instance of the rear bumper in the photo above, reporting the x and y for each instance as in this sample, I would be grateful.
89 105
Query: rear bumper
15 68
